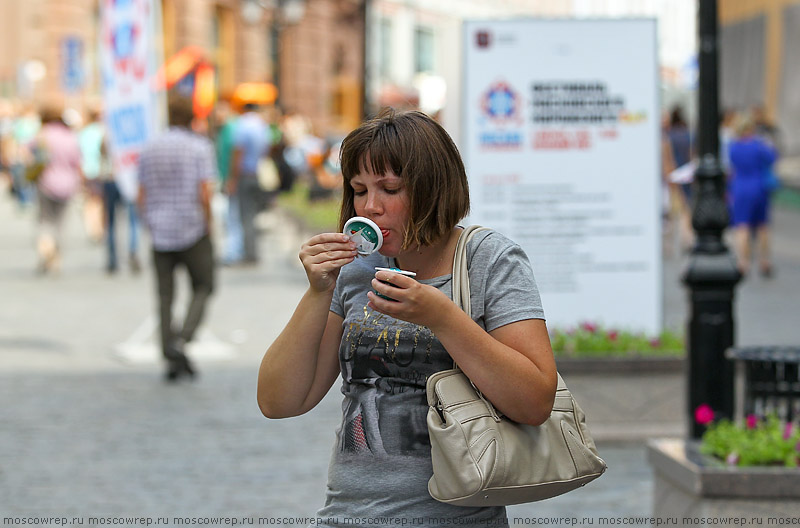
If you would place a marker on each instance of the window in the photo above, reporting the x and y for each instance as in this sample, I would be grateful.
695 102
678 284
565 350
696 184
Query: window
168 27
224 48
423 49
385 48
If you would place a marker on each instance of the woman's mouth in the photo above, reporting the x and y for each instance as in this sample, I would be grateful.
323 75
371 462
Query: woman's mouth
385 232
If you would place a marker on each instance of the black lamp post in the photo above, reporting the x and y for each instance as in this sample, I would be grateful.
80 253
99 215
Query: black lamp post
711 273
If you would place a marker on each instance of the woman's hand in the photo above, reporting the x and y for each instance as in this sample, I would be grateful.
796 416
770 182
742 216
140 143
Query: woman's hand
412 301
323 256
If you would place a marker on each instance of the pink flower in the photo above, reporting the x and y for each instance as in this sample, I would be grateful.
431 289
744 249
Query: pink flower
655 342
704 414
752 421
589 327
613 334
787 431
732 459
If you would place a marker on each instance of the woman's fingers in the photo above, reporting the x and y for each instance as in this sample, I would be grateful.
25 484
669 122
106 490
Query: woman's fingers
327 246
331 239
323 256
401 281
327 256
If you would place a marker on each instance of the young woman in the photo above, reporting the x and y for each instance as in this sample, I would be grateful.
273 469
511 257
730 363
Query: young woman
402 171
60 180
751 160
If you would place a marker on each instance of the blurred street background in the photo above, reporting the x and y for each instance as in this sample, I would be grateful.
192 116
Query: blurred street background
88 426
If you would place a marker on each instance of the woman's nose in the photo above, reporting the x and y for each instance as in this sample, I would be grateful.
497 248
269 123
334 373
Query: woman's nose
373 203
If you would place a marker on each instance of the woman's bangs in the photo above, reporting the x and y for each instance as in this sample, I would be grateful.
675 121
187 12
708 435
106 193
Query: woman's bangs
380 157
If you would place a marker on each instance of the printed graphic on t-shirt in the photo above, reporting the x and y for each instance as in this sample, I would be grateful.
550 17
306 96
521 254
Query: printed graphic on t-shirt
385 363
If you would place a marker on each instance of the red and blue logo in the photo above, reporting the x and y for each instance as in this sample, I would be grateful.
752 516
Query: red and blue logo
501 110
124 35
501 102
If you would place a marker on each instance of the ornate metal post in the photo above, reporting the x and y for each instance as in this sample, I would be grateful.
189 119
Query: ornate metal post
711 273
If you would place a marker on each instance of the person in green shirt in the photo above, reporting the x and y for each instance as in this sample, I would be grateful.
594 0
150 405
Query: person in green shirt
233 245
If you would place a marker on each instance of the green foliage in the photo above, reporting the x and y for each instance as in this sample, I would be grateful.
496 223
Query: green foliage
590 340
758 443
318 215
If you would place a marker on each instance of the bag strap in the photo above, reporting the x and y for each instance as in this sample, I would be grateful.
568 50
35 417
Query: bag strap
461 296
460 281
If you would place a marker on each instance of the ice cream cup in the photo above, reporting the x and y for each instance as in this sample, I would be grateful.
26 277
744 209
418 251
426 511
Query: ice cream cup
395 270
365 233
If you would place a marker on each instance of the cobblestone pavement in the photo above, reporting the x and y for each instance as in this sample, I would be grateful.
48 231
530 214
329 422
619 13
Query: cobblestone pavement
123 444
88 431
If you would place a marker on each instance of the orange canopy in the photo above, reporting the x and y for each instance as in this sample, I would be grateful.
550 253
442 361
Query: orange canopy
205 93
178 66
262 93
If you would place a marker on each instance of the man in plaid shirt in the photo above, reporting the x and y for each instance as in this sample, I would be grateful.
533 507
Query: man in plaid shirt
176 174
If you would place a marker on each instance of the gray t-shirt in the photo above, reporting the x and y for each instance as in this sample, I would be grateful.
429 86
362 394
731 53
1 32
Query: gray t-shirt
381 462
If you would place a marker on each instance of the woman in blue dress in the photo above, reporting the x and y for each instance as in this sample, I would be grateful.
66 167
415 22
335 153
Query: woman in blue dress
751 158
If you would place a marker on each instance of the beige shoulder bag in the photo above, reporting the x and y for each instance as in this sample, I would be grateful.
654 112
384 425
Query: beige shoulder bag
481 458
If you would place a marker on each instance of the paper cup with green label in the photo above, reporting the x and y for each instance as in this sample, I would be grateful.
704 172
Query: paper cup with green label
365 233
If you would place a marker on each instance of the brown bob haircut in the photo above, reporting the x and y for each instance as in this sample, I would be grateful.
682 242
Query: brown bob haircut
416 148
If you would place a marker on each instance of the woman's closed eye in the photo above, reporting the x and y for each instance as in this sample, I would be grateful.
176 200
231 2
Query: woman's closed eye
362 192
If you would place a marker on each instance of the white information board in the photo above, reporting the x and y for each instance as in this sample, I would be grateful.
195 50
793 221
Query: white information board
560 134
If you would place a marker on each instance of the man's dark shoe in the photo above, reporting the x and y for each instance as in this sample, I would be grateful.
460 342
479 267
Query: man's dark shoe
178 364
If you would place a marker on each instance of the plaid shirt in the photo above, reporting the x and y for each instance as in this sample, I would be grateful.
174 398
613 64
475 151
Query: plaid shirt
171 169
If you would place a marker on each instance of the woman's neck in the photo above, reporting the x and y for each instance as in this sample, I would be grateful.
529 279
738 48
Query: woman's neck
431 261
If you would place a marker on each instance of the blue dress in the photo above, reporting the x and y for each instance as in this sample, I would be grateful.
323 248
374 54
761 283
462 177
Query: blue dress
750 160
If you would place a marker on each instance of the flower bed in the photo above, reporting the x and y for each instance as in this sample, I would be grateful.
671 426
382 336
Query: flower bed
590 340
766 442
756 442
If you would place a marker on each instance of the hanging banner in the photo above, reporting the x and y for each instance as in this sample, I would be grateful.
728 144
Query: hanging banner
129 58
560 133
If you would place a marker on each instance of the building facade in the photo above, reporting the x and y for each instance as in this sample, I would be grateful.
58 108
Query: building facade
311 49
758 43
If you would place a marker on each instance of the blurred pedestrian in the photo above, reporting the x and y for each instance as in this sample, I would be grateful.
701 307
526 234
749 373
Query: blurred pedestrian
669 190
751 158
90 139
251 142
233 238
24 129
56 148
726 135
95 141
177 171
680 140
6 126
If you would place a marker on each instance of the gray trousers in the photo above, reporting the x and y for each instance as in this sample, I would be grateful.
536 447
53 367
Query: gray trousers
250 202
199 262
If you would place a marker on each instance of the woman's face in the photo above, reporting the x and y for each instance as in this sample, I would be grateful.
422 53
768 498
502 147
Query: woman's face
383 199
